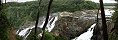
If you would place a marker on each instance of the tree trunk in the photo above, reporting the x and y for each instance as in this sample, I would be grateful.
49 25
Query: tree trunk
37 21
105 34
46 20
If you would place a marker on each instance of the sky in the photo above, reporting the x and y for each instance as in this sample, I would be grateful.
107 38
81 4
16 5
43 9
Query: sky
97 1
16 0
105 1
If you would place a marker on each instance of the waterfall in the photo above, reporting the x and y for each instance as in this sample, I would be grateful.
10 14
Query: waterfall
25 32
87 35
52 24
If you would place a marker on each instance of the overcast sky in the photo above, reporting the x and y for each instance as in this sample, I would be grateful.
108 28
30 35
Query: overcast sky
97 1
105 1
17 0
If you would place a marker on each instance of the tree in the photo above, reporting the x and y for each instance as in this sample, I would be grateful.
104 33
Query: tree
115 18
104 26
6 29
114 31
3 25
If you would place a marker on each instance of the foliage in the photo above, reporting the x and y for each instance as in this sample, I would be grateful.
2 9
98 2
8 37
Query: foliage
32 34
6 28
20 13
72 5
114 35
50 36
4 25
115 18
18 37
47 36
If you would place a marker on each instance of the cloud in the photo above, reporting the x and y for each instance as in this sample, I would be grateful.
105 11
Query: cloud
105 1
97 1
16 0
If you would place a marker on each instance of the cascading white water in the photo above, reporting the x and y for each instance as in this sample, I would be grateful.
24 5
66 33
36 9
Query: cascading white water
87 35
25 32
52 24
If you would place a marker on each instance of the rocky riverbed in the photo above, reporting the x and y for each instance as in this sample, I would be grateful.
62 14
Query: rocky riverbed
69 25
73 24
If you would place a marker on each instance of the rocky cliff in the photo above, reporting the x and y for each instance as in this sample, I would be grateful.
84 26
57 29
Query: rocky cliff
73 24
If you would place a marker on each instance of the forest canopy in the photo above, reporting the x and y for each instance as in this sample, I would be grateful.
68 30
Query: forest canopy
20 13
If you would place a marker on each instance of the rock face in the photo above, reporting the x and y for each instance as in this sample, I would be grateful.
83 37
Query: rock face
69 25
72 26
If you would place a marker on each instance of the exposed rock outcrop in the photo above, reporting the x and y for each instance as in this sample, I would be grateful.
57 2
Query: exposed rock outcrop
72 25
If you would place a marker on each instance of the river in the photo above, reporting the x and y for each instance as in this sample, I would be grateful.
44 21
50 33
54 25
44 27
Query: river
26 31
87 35
51 23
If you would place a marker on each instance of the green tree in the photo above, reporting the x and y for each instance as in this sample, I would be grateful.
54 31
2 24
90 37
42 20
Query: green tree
114 34
115 18
20 13
3 27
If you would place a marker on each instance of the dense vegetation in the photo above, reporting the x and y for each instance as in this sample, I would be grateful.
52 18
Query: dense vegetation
6 29
114 34
4 24
18 14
